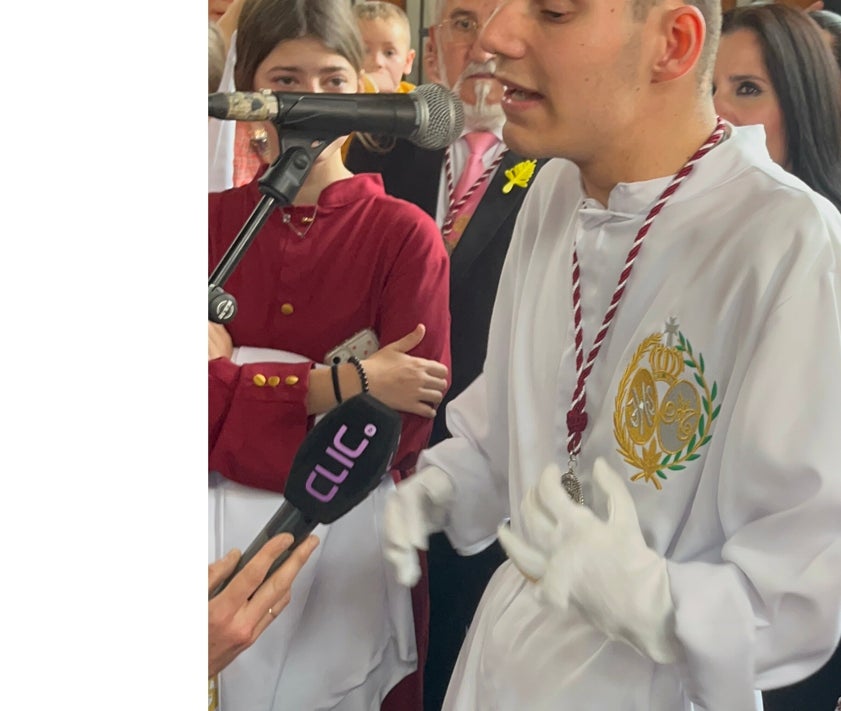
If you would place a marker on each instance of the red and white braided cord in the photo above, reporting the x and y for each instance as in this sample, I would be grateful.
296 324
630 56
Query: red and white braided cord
577 415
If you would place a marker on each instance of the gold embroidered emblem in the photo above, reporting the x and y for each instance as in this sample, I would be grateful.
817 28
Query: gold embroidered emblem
661 419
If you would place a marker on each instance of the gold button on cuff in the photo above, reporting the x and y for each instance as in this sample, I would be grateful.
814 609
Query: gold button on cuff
287 309
291 379
274 381
259 380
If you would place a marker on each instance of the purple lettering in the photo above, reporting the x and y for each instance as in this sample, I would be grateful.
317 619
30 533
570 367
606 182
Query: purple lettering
325 498
340 457
343 448
327 474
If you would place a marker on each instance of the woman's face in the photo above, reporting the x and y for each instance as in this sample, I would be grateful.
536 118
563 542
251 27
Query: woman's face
743 92
306 64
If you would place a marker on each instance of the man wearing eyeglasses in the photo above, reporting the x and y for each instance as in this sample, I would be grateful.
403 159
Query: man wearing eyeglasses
469 190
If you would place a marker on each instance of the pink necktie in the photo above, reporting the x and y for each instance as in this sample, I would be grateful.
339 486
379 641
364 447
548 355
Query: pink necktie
468 188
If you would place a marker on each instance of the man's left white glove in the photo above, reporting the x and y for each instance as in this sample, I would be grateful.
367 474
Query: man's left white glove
419 507
603 567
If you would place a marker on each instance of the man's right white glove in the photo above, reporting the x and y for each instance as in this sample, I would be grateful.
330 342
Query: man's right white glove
419 507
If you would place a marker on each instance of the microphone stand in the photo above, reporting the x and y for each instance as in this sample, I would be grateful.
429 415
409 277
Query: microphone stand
279 185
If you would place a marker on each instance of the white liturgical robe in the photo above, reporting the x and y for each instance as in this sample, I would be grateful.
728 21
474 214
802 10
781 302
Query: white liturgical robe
715 396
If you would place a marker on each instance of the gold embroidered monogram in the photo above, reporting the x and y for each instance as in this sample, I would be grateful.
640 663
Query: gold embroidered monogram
663 413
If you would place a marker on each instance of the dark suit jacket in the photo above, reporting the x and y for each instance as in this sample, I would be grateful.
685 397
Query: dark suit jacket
413 174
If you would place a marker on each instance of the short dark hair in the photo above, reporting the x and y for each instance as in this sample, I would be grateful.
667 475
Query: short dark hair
807 82
264 24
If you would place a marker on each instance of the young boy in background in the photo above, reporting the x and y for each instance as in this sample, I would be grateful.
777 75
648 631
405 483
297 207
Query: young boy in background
388 51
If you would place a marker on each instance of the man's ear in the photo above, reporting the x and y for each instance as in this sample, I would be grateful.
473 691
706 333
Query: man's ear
684 32
430 56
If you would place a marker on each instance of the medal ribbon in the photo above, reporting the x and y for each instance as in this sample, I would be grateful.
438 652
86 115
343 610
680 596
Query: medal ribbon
577 414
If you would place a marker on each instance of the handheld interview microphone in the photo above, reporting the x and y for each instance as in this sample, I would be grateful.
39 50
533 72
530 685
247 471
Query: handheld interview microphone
430 116
342 459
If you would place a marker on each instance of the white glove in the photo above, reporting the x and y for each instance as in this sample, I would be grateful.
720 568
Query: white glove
417 508
603 567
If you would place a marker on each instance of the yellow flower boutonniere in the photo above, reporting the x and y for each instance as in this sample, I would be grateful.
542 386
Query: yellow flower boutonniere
519 175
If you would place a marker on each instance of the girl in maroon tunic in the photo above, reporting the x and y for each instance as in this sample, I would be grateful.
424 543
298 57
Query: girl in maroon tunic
345 257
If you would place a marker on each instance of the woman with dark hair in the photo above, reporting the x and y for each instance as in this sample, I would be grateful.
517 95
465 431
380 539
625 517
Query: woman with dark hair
344 271
773 68
830 23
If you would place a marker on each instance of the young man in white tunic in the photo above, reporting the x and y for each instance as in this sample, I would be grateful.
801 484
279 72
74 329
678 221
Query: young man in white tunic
665 348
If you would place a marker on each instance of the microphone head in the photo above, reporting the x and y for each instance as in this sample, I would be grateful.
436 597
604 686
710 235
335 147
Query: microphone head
441 116
343 458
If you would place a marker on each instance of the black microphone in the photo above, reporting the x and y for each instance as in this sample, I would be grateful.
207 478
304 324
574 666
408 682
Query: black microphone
341 460
430 116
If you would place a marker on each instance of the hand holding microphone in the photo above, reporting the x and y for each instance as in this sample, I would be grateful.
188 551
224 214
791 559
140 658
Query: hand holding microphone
342 459
238 615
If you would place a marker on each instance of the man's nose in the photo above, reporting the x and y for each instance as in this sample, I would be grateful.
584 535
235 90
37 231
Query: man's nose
502 33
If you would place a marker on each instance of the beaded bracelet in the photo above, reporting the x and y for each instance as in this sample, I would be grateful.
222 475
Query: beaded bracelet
361 371
334 373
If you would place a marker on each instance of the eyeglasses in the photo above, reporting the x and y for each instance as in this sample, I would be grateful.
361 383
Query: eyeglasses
460 30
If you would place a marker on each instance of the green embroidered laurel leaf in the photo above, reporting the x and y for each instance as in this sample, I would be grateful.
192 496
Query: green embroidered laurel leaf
714 392
692 457
699 380
701 425
660 474
707 407
715 413
701 361
666 459
705 440
676 467
691 444
688 363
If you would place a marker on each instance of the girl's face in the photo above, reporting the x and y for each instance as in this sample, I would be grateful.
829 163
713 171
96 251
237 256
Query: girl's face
743 92
306 64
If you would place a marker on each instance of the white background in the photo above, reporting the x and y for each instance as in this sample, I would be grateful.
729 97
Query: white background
104 269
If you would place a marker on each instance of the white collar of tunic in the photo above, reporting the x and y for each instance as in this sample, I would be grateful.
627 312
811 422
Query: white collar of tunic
627 201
